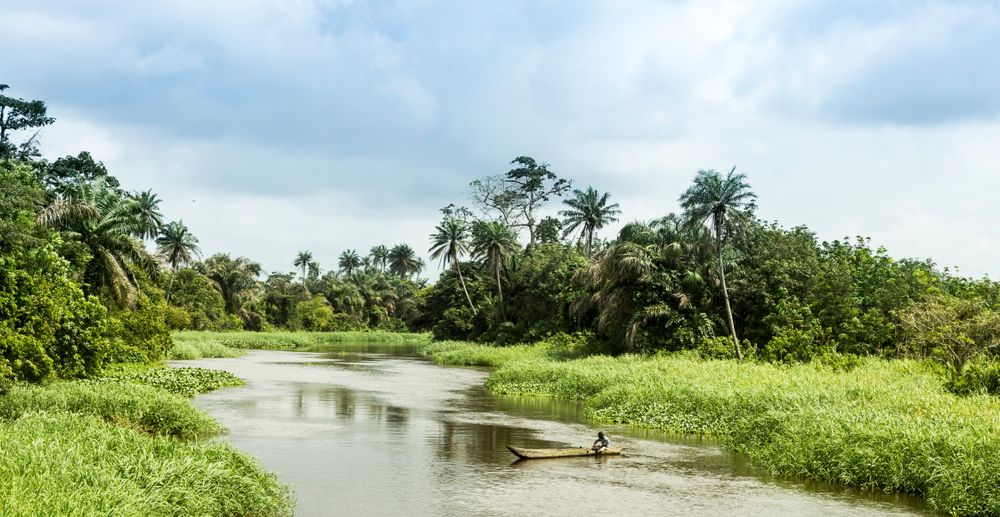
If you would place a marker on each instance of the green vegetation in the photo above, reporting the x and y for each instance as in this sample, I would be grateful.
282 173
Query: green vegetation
63 464
198 349
237 341
186 382
79 292
877 424
132 405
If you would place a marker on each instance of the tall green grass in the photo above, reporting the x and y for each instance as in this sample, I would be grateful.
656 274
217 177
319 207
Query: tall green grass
883 425
144 408
461 353
63 464
201 349
291 340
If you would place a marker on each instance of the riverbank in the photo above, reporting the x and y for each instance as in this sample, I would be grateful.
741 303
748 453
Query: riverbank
882 425
126 444
190 344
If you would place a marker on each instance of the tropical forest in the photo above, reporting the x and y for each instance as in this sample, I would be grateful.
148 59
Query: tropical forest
739 365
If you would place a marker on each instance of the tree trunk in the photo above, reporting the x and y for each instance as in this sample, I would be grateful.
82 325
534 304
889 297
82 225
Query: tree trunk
171 285
503 314
458 269
725 296
590 242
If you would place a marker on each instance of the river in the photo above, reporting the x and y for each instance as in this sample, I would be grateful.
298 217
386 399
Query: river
376 430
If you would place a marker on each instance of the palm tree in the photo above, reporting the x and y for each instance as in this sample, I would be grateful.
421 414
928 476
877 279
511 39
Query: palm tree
448 243
589 210
349 261
725 204
236 279
147 206
380 256
403 261
177 246
109 225
302 260
314 270
493 242
652 272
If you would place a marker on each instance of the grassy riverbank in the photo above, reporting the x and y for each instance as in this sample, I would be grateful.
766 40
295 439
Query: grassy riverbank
119 445
198 344
884 425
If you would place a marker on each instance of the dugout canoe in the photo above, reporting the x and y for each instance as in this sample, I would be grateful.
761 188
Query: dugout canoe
532 454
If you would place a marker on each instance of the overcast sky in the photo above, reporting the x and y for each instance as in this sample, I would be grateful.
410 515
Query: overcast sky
271 127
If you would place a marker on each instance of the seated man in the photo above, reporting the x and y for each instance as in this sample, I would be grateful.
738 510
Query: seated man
601 443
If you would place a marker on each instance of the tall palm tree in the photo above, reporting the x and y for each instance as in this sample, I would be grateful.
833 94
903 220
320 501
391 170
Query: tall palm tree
236 279
588 210
349 261
147 205
448 243
109 225
314 270
403 261
178 246
725 203
493 242
302 260
380 256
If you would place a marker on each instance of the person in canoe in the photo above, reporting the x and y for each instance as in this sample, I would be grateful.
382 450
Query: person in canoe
601 443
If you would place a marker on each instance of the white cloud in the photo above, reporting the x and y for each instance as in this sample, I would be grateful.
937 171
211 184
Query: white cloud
334 125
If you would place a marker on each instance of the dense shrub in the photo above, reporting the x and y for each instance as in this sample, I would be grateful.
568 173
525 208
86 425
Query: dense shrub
980 377
455 323
140 335
47 326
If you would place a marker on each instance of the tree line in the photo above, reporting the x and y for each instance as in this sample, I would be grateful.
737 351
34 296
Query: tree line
91 272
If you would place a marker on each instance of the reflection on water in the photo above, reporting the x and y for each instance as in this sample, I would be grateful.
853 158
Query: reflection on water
376 431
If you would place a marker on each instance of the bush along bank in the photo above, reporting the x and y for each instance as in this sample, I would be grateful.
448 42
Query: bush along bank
881 425
119 445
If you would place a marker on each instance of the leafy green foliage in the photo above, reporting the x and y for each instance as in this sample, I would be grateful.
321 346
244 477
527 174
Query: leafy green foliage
47 327
62 464
953 330
186 382
140 335
18 115
201 302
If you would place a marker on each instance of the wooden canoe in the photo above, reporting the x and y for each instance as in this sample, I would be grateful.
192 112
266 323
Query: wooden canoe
531 454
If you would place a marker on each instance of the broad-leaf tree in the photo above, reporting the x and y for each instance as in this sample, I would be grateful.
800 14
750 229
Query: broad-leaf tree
726 204
536 184
18 115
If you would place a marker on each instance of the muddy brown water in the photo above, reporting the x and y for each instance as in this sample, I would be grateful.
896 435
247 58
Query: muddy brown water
375 430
